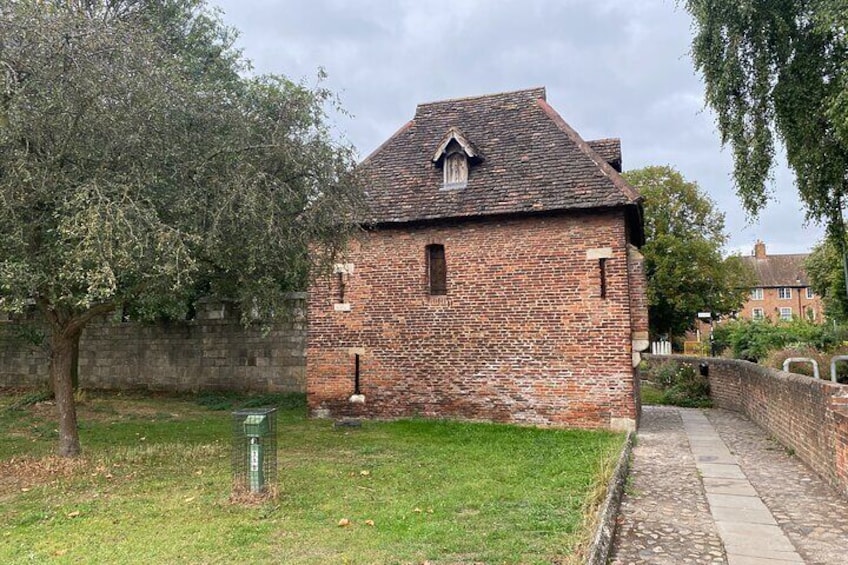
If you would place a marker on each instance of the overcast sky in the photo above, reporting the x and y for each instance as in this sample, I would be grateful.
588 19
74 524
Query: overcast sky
612 68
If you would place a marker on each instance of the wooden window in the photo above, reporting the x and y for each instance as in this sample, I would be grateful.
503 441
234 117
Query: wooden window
758 314
456 170
756 294
809 293
786 313
784 293
437 270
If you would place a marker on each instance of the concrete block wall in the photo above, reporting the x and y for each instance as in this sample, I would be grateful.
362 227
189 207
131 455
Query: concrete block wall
213 352
809 416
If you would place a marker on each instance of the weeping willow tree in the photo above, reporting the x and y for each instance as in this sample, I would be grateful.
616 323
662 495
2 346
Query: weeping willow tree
139 166
779 69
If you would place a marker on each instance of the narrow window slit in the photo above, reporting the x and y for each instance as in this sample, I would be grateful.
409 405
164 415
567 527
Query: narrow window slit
356 375
341 287
602 266
437 270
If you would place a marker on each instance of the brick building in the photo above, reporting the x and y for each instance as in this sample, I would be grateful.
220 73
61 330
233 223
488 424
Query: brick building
496 278
783 290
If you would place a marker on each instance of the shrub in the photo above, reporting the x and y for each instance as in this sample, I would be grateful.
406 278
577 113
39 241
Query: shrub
754 340
776 358
679 384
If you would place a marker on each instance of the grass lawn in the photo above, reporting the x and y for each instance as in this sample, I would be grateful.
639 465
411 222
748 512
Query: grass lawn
154 485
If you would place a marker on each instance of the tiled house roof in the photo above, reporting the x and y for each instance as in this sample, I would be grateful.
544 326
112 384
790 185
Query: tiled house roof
779 270
609 150
530 160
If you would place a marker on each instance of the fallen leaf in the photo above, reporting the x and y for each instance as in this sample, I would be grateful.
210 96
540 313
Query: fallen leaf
416 510
369 522
365 473
74 514
344 522
60 552
189 499
24 489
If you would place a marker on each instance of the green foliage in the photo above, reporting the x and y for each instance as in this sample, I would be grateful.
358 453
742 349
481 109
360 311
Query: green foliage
684 236
677 384
776 358
226 400
138 166
779 68
827 279
141 167
753 340
28 399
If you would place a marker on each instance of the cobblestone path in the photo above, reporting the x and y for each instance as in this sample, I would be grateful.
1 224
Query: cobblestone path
666 517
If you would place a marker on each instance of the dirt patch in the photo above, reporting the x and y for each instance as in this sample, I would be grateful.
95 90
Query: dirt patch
21 473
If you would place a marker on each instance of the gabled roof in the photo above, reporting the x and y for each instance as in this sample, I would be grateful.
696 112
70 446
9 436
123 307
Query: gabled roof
779 270
534 162
455 135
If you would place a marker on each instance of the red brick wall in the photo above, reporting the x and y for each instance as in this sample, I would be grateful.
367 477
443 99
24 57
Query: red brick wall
523 334
808 415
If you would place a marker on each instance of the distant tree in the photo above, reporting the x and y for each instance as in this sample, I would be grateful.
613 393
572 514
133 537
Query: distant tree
139 167
824 268
684 238
780 68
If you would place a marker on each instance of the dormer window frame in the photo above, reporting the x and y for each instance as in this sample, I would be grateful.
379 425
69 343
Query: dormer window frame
455 155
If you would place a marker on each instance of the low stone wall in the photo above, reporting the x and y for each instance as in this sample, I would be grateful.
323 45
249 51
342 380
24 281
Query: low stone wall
213 352
808 416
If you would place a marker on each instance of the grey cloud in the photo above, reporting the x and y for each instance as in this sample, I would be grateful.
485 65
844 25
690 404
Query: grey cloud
612 68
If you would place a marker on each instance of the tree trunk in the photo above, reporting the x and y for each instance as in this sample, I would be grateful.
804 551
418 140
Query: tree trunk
63 344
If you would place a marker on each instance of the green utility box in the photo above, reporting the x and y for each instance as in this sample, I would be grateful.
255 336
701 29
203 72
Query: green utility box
256 425
254 450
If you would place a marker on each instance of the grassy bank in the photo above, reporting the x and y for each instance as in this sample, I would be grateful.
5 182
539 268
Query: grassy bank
154 485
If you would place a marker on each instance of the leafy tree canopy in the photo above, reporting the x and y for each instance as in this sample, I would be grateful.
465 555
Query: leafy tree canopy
824 268
780 67
139 165
684 237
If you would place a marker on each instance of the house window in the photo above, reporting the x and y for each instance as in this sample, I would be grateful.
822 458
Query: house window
809 293
784 293
756 294
758 314
785 313
437 270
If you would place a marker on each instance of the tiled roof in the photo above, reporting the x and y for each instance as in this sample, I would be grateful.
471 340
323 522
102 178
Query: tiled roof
609 150
533 162
779 270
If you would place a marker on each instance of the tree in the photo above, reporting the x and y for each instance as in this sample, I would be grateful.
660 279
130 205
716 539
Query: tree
139 167
823 266
780 68
684 237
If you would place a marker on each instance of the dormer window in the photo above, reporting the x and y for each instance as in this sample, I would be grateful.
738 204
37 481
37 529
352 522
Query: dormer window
456 167
455 155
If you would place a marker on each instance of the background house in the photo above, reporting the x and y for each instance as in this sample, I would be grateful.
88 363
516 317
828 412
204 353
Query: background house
497 276
783 290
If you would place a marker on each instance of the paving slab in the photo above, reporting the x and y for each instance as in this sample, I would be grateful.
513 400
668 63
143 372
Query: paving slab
742 487
744 515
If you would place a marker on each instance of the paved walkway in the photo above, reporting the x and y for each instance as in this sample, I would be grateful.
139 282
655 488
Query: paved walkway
709 486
